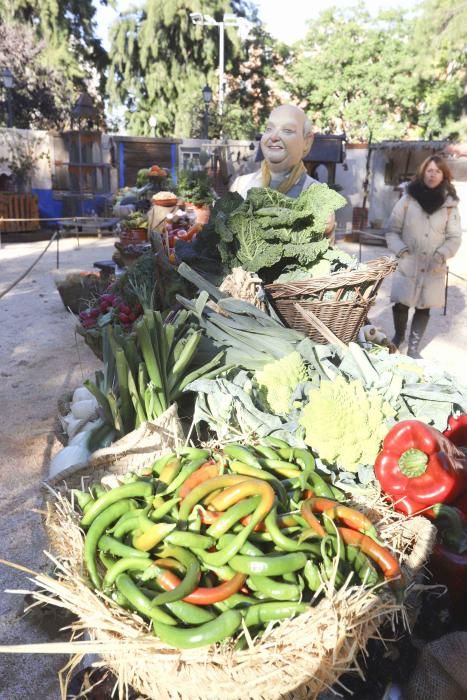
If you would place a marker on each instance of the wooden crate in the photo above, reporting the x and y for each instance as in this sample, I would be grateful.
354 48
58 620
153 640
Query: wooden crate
18 206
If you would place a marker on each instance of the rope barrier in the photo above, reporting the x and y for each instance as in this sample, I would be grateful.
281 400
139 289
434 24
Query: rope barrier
21 277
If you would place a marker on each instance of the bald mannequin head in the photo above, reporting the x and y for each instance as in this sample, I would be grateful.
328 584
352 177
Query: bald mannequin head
286 139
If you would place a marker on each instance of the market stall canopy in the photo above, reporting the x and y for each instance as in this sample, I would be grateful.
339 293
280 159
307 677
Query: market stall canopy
412 145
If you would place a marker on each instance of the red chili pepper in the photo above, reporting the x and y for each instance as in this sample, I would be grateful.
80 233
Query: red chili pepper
457 430
201 595
419 467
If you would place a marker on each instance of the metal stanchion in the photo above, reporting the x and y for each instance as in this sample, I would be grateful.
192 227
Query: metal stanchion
59 233
446 292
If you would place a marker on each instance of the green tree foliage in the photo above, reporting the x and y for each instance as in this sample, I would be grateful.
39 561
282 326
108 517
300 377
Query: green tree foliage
40 97
68 29
160 62
352 73
442 66
399 75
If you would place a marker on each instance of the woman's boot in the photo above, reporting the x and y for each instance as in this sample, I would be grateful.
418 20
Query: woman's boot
400 313
419 324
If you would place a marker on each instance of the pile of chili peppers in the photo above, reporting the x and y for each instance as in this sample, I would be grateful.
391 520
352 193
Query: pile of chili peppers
425 471
210 540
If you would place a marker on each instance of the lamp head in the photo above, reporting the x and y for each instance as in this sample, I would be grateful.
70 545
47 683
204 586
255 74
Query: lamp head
207 94
7 77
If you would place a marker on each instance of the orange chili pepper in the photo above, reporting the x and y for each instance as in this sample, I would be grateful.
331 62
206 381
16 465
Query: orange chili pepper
307 512
205 472
380 555
349 516
202 595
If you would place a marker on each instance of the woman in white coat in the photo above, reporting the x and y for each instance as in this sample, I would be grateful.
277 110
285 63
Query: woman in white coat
424 230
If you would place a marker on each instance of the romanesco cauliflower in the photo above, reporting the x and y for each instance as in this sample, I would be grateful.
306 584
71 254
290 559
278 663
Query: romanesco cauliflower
278 380
345 423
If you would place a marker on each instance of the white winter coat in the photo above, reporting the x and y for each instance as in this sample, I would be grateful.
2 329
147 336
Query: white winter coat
430 239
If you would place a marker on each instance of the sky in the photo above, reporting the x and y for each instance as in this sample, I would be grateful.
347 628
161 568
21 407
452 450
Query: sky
284 19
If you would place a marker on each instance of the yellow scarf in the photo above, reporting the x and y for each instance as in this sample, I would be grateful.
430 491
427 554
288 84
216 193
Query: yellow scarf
291 180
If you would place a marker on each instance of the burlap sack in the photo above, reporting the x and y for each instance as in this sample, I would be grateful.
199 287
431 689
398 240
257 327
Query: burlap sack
441 671
132 452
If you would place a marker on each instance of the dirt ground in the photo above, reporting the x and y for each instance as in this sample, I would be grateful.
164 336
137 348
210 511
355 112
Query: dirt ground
41 358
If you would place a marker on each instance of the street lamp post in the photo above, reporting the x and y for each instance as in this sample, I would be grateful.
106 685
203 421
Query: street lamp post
207 97
7 77
228 20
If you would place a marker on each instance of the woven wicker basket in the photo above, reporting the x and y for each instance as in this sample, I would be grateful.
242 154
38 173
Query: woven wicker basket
343 317
295 660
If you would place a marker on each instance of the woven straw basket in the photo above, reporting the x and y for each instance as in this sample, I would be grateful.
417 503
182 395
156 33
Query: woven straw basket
343 317
294 660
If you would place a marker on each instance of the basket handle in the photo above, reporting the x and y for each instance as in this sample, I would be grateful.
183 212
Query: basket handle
326 332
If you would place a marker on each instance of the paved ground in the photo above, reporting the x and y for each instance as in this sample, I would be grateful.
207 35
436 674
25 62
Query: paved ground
40 358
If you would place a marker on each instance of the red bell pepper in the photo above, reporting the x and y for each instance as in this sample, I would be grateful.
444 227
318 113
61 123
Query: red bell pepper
457 430
419 467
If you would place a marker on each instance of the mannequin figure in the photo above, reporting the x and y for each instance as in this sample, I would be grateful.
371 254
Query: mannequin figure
287 138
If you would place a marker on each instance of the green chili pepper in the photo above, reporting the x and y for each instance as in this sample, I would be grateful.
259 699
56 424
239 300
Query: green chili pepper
185 472
331 564
222 627
269 612
283 542
108 562
281 467
195 453
97 490
164 509
192 540
273 441
337 493
190 614
319 486
137 523
110 544
121 601
248 487
237 600
133 513
142 603
311 574
248 548
274 589
121 566
266 451
232 516
138 489
306 460
268 565
189 582
99 525
160 463
247 470
82 498
203 489
362 566
242 454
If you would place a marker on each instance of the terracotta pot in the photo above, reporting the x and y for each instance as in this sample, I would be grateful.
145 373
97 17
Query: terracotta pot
134 235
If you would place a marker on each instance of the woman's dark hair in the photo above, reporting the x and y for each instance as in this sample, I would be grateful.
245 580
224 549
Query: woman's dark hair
440 163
